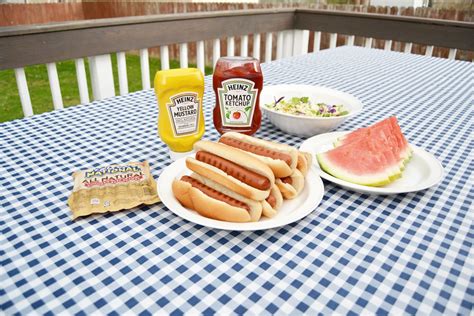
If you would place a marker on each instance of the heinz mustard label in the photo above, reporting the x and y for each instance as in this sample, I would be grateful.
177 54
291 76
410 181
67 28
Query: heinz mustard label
179 93
112 188
184 109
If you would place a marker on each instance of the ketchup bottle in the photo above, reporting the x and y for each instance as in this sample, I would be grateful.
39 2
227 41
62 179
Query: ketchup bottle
237 83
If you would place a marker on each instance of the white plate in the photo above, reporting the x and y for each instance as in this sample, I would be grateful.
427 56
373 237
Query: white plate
422 171
291 210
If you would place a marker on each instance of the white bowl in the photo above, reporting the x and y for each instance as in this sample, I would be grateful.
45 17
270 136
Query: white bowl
304 125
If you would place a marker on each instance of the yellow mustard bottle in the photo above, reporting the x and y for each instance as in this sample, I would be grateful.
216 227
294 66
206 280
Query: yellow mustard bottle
180 119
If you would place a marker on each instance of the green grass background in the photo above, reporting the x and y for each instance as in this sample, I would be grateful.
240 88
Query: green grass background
40 93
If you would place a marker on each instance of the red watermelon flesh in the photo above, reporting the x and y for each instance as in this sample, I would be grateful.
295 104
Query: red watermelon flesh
403 143
362 162
373 155
388 145
363 131
379 144
384 136
387 128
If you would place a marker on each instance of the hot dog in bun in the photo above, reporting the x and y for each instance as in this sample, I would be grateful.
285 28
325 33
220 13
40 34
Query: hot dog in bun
213 200
273 202
304 162
282 159
232 168
291 186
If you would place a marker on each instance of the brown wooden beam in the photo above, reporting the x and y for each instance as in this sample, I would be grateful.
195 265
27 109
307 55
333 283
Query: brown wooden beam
442 33
28 45
38 44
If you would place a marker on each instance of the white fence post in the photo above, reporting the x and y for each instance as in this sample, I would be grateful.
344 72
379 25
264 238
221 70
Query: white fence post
429 50
82 80
317 42
230 46
368 42
452 53
23 92
350 40
300 42
122 73
165 57
408 47
333 40
145 68
268 47
102 77
279 51
54 85
216 52
200 57
256 46
288 43
183 55
244 46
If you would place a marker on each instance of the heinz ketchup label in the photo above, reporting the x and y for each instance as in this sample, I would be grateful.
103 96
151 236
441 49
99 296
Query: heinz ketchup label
237 99
237 83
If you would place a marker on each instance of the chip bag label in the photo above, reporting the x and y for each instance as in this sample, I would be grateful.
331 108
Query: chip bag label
112 188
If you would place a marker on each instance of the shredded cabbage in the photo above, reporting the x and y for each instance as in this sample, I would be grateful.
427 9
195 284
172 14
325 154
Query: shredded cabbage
303 106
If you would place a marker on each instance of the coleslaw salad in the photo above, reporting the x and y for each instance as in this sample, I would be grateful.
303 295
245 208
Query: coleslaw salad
302 106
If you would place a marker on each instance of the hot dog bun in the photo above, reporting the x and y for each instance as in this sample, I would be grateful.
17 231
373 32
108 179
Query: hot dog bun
263 150
305 160
215 208
290 191
237 157
268 210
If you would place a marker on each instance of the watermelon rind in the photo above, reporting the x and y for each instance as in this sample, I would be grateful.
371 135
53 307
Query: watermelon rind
338 142
407 155
396 175
374 180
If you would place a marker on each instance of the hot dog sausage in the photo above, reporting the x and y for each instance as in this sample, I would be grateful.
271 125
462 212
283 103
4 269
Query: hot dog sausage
214 194
234 170
287 180
271 200
254 149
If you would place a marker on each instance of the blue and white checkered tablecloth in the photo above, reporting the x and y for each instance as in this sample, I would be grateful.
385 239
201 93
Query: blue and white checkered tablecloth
407 253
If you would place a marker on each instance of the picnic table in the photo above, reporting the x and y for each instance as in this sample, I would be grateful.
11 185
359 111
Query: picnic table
355 253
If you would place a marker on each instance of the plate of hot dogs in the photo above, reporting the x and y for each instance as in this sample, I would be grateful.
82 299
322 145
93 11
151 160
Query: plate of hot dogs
241 183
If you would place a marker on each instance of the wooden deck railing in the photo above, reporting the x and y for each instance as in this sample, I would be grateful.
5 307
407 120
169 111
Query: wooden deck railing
21 46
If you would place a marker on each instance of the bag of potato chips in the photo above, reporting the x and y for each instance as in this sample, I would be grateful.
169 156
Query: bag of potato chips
112 188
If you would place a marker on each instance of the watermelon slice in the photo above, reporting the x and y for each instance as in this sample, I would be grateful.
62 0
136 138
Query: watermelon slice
383 128
373 156
358 163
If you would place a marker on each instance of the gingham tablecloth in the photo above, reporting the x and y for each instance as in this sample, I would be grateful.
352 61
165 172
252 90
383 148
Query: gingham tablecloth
356 253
